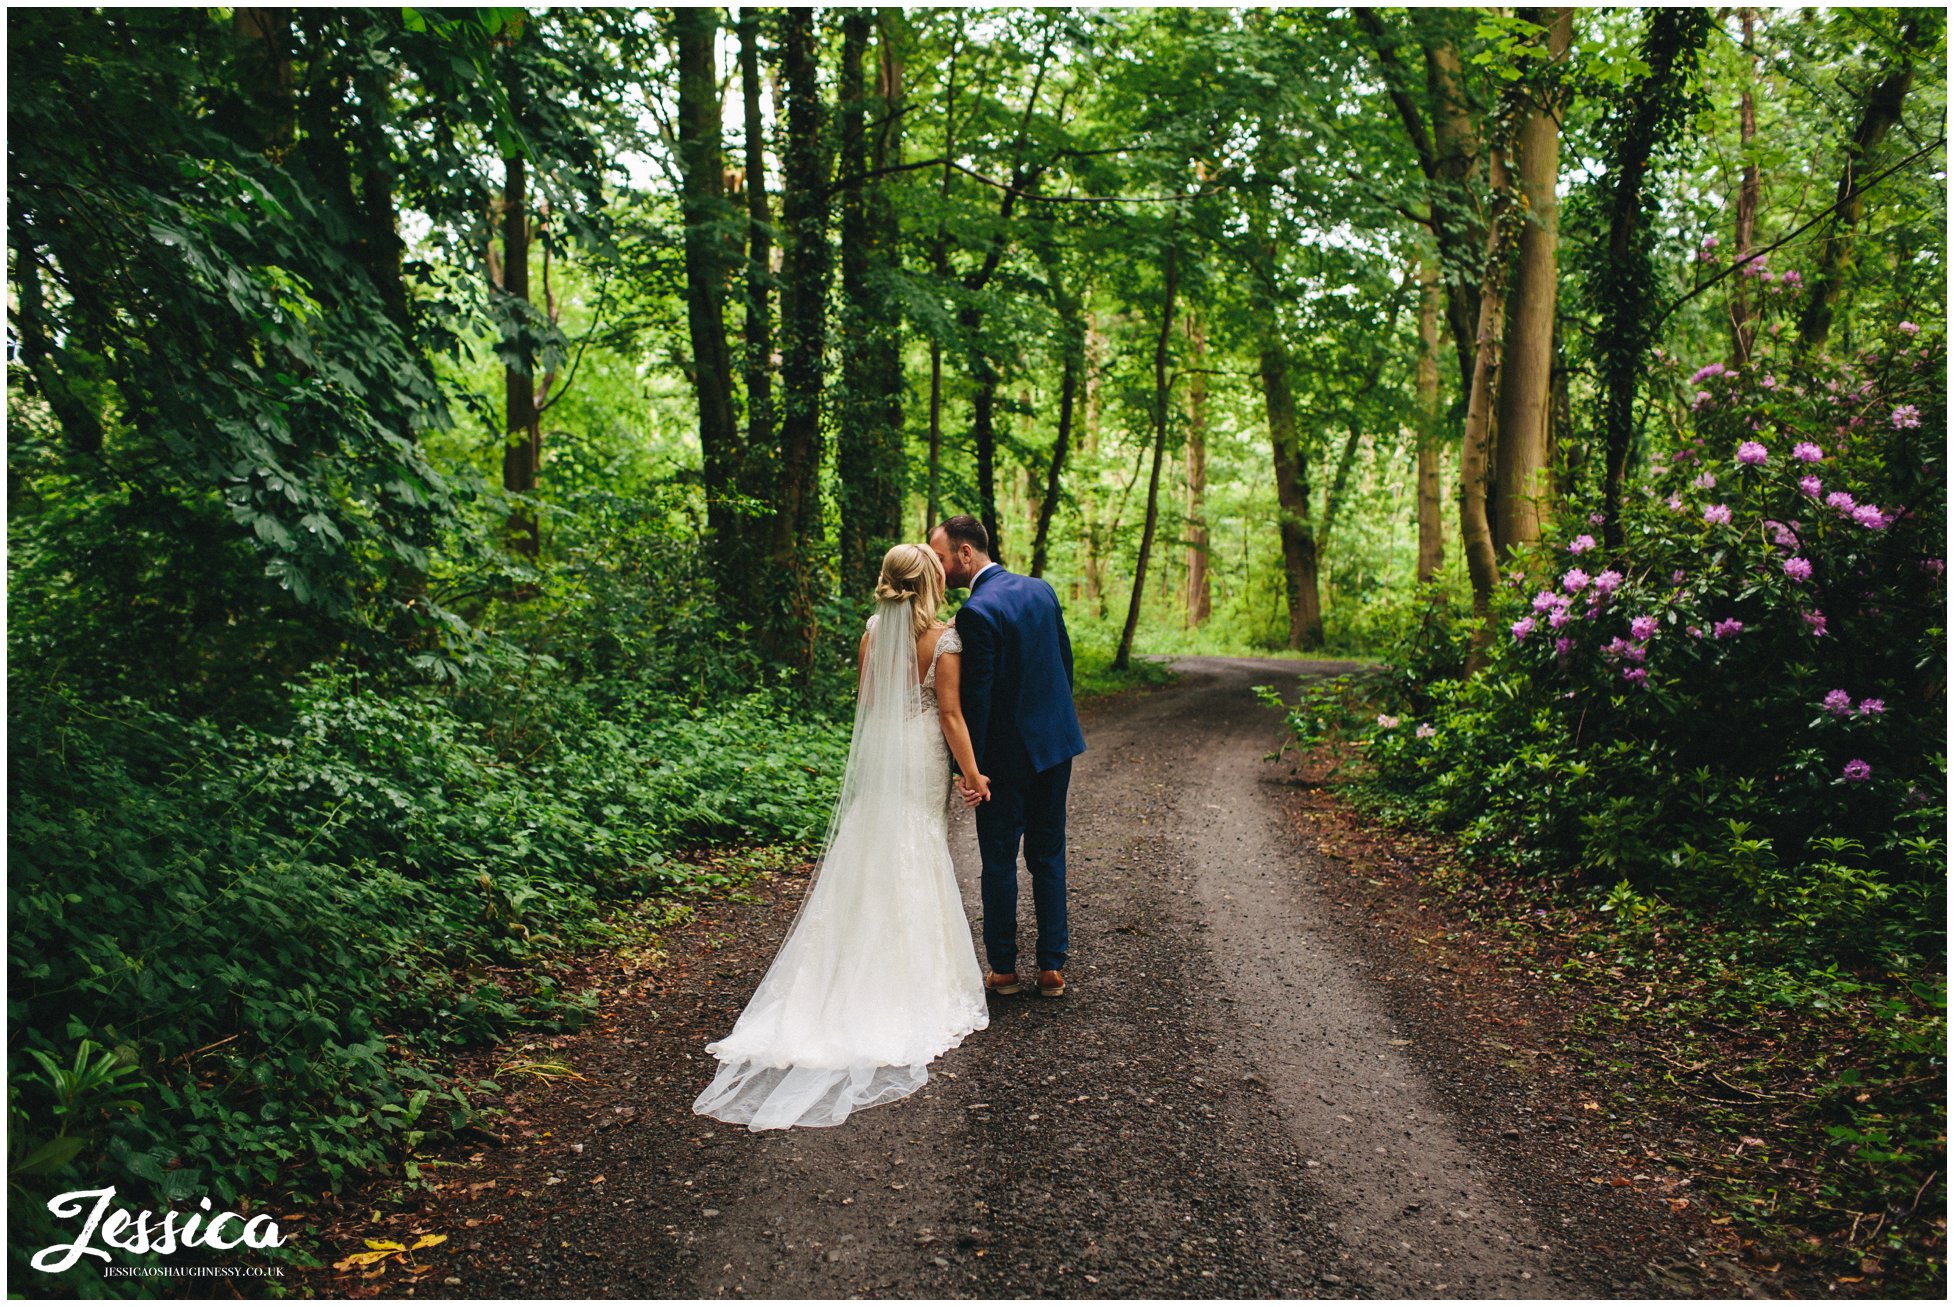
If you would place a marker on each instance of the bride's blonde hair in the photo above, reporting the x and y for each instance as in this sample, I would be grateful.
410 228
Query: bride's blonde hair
913 574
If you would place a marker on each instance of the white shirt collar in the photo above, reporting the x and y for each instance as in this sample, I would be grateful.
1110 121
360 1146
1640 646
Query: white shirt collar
980 571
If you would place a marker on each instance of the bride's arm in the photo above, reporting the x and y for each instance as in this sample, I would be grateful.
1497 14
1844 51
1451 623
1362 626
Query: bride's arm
949 712
861 662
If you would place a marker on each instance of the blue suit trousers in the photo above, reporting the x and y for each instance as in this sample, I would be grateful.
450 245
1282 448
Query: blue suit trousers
1030 810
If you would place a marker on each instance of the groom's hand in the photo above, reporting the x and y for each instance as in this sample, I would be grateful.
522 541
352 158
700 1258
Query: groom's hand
975 789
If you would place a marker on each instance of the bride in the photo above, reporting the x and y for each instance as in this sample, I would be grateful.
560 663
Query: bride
877 975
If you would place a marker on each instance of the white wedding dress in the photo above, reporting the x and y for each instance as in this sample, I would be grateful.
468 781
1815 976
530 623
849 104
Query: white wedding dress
877 975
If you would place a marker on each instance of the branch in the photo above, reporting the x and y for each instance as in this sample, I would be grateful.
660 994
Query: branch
1829 210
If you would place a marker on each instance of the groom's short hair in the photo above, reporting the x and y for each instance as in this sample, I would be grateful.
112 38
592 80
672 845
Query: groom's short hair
963 529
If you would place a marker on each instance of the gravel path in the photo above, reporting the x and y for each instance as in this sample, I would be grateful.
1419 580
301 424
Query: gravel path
1224 1104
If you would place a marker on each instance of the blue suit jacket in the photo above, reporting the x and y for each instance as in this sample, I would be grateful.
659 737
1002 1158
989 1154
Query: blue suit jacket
1017 676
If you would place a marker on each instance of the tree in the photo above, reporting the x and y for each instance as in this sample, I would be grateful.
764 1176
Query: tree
1880 112
1623 291
1521 454
1431 540
1200 596
702 201
1170 283
798 528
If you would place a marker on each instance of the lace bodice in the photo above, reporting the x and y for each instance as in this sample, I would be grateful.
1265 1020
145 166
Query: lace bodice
948 642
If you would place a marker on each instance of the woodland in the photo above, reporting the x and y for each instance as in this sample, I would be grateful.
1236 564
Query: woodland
450 451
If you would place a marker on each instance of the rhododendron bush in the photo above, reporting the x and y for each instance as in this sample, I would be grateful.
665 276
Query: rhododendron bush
1745 700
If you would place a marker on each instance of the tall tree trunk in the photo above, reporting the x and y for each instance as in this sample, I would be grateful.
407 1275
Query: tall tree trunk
798 529
1092 563
857 449
702 201
1881 111
519 450
1457 165
1743 317
1475 451
1521 454
1171 280
885 242
1628 282
1431 539
933 510
1292 500
983 435
1200 595
759 469
1072 328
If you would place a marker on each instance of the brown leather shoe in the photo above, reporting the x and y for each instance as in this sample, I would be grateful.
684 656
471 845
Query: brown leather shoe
1005 982
1051 983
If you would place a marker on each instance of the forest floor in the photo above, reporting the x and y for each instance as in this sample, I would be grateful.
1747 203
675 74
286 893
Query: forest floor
1277 1071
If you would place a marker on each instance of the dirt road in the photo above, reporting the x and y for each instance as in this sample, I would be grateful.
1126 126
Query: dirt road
1225 1104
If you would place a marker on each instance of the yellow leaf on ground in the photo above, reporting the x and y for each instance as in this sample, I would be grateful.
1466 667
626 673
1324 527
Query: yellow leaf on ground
428 1241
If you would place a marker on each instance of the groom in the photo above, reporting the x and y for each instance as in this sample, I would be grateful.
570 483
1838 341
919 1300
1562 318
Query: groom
1024 733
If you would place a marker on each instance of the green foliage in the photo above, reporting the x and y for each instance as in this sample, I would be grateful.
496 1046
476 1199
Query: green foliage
1744 706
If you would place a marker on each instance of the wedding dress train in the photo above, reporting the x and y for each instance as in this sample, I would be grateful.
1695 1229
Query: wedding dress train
877 975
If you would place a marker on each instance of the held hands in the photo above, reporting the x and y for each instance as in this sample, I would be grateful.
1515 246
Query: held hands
974 789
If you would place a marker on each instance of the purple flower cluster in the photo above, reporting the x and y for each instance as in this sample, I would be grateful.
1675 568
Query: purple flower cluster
1707 371
1642 628
1574 581
1705 481
1729 626
1522 628
1811 487
1838 703
1798 569
1717 515
1580 544
1906 416
1806 452
1752 454
1858 770
1815 620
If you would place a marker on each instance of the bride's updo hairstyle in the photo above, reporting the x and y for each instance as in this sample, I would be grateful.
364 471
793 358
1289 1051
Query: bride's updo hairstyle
913 575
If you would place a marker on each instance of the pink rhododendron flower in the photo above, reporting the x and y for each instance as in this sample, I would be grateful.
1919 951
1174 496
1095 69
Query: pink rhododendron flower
1522 628
1580 544
1798 569
1858 770
1559 617
1717 515
1840 500
1752 454
1806 452
1608 582
1705 481
1869 516
1674 502
1906 415
1933 566
1545 600
1564 646
1425 731
1769 382
1642 628
1597 519
1707 371
1729 626
1811 486
1910 328
1838 703
1575 581
1871 707
1635 675
1387 722
1816 621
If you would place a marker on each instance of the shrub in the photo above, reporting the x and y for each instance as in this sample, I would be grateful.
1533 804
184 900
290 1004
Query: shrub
1747 698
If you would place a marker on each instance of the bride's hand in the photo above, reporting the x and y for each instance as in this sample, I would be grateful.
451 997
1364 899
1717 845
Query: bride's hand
974 790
